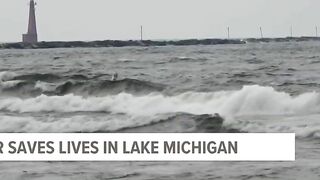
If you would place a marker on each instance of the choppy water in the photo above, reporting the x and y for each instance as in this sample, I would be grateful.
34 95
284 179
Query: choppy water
272 87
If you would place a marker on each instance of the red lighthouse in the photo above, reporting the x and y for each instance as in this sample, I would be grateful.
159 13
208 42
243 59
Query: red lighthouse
31 36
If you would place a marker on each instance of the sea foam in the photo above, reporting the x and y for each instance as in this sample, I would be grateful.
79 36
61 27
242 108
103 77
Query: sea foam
250 100
139 110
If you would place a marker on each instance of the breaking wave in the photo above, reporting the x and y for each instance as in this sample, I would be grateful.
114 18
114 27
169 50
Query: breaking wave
185 111
6 75
83 123
250 100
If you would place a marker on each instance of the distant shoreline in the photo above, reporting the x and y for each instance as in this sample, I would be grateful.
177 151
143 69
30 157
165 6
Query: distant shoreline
118 43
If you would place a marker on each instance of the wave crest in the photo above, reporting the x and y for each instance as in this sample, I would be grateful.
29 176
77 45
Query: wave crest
49 84
250 100
189 112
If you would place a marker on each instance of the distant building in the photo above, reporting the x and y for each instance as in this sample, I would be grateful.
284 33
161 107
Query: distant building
31 36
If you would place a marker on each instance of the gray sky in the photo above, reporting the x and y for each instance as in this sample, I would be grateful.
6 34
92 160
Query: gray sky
162 19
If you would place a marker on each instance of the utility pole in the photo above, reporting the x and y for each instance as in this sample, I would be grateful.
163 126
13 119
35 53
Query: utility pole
291 31
316 31
261 33
141 33
228 32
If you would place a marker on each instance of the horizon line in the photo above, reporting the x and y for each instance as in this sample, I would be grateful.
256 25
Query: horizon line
170 39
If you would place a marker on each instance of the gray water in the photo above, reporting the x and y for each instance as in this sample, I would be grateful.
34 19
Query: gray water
268 87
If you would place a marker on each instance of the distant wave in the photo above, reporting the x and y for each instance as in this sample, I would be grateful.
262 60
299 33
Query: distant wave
109 87
37 77
126 60
184 59
49 84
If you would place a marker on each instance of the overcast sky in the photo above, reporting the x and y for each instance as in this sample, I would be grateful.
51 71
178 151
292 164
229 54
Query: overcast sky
161 19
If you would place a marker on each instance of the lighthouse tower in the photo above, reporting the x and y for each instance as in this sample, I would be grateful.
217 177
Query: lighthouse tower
31 36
